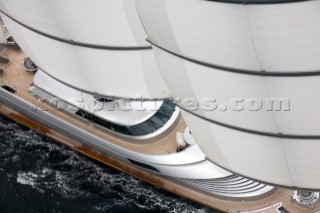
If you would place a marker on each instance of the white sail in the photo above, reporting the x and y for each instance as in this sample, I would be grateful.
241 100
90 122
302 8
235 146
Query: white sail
286 162
287 105
117 112
100 22
272 37
223 51
106 57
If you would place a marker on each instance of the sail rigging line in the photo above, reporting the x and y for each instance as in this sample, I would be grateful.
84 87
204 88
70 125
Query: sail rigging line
251 131
264 73
107 96
80 44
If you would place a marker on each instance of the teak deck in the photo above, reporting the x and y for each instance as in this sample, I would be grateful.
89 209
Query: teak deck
16 77
21 80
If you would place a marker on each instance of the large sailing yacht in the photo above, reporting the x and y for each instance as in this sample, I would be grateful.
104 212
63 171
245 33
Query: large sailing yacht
182 94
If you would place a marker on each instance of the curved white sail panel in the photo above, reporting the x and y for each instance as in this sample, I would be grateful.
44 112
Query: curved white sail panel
215 54
99 22
273 37
287 162
97 71
286 105
118 111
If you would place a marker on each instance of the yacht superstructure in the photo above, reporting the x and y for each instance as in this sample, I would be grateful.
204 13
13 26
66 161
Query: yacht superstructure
96 87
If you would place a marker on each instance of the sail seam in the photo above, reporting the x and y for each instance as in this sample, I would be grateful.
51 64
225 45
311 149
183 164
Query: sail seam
282 145
252 40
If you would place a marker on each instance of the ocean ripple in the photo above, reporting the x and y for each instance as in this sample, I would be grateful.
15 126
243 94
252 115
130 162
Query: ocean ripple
39 175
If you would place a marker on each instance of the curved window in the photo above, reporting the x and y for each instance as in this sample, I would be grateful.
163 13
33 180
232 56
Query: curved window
8 88
158 120
143 165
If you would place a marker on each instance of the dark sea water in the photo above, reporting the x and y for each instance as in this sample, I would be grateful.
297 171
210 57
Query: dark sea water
39 175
